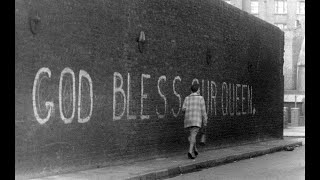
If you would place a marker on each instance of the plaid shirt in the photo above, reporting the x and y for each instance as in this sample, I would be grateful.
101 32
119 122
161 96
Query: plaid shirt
195 108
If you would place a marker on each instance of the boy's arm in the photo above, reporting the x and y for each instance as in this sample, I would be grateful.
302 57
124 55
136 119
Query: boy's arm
204 113
184 106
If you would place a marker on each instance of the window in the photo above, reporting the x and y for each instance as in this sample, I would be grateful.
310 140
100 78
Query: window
254 6
281 26
297 23
280 6
300 7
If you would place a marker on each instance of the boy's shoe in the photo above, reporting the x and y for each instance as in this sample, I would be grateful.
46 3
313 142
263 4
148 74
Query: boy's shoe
190 156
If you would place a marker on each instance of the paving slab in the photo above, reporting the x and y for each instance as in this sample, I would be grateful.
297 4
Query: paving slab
298 131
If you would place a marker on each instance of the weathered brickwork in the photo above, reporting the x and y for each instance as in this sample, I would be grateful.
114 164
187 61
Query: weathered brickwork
89 93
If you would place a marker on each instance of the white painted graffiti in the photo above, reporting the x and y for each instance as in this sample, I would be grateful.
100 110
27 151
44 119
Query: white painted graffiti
64 95
235 99
163 97
176 94
64 109
128 95
35 95
124 100
143 96
118 89
84 74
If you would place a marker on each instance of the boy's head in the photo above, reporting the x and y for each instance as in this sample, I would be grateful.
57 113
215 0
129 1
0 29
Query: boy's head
194 88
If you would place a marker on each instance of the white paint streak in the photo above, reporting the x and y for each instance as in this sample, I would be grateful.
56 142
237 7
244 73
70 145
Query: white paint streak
67 71
35 93
243 86
195 80
248 93
224 90
237 99
163 97
231 98
128 100
250 100
84 74
143 96
213 97
202 88
208 99
178 95
119 89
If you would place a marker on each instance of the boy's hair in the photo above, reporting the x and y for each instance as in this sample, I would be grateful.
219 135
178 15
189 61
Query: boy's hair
194 88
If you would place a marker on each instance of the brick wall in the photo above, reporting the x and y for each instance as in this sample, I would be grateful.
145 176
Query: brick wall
88 94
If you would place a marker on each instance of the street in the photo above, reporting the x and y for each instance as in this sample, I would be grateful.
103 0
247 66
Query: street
279 165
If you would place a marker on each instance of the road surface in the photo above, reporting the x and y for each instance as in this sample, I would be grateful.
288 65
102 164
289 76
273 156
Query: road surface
280 165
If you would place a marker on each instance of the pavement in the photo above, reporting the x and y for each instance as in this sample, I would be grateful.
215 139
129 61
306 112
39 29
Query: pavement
291 131
179 164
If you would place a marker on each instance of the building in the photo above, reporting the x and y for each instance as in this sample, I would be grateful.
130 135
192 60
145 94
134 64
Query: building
289 16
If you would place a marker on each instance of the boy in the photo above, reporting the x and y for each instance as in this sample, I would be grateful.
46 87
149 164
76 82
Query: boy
195 109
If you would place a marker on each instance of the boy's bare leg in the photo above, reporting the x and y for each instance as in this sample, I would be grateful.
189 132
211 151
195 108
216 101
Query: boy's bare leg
191 148
195 147
192 140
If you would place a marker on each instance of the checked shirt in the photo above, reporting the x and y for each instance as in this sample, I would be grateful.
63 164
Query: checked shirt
195 109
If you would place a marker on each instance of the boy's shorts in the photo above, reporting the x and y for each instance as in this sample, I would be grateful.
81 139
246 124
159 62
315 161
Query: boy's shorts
193 130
